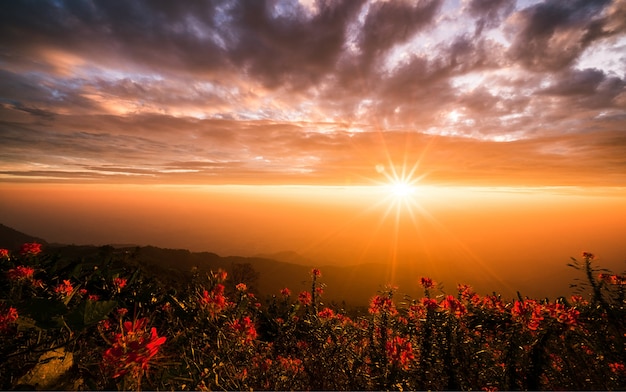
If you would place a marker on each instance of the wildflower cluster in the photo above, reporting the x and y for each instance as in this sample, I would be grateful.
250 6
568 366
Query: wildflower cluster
119 283
50 303
214 301
21 273
130 331
400 352
618 280
31 249
132 349
244 329
65 288
383 304
8 316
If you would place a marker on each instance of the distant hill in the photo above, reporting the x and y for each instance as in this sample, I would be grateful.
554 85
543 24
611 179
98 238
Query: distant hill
12 239
286 256
355 284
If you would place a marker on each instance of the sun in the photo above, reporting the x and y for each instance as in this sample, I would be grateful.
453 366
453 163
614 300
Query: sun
400 184
400 189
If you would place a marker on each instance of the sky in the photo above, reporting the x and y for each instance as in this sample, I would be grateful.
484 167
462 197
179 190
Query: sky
292 114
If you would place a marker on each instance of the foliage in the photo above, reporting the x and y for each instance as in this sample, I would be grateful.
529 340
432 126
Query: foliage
127 330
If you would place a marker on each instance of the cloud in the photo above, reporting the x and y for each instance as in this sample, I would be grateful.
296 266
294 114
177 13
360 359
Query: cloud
552 35
389 23
279 91
289 48
489 13
588 89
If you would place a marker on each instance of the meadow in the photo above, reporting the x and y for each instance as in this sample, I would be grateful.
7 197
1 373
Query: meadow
109 324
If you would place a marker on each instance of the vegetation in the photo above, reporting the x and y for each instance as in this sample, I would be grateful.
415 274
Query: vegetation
127 329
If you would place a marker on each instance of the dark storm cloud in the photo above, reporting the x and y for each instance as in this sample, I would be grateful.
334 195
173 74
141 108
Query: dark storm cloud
489 13
553 34
588 88
292 48
275 42
40 94
421 87
160 34
390 23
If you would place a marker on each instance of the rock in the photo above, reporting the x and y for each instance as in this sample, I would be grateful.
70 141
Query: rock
49 370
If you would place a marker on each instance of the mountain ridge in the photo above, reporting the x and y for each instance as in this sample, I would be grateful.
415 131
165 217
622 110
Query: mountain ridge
13 239
341 283
354 284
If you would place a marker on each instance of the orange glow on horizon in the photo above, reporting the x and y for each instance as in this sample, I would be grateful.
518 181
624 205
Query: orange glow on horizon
502 239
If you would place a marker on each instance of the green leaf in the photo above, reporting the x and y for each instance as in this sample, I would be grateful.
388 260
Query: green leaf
134 277
89 313
45 312
77 271
25 323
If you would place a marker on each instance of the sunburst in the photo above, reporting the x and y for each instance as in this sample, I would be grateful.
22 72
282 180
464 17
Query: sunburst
401 185
401 189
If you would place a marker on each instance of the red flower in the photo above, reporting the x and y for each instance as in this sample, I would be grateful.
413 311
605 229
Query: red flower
133 349
316 273
400 351
382 304
305 298
292 365
285 292
64 288
430 304
220 275
21 273
326 313
241 287
7 317
453 306
588 256
416 312
427 283
119 283
4 253
617 367
214 301
30 248
491 302
105 325
578 299
245 328
613 279
528 311
465 291
563 315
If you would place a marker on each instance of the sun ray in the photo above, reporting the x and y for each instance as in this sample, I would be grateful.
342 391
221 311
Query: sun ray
404 227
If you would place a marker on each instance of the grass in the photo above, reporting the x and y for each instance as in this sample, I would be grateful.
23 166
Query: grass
127 329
